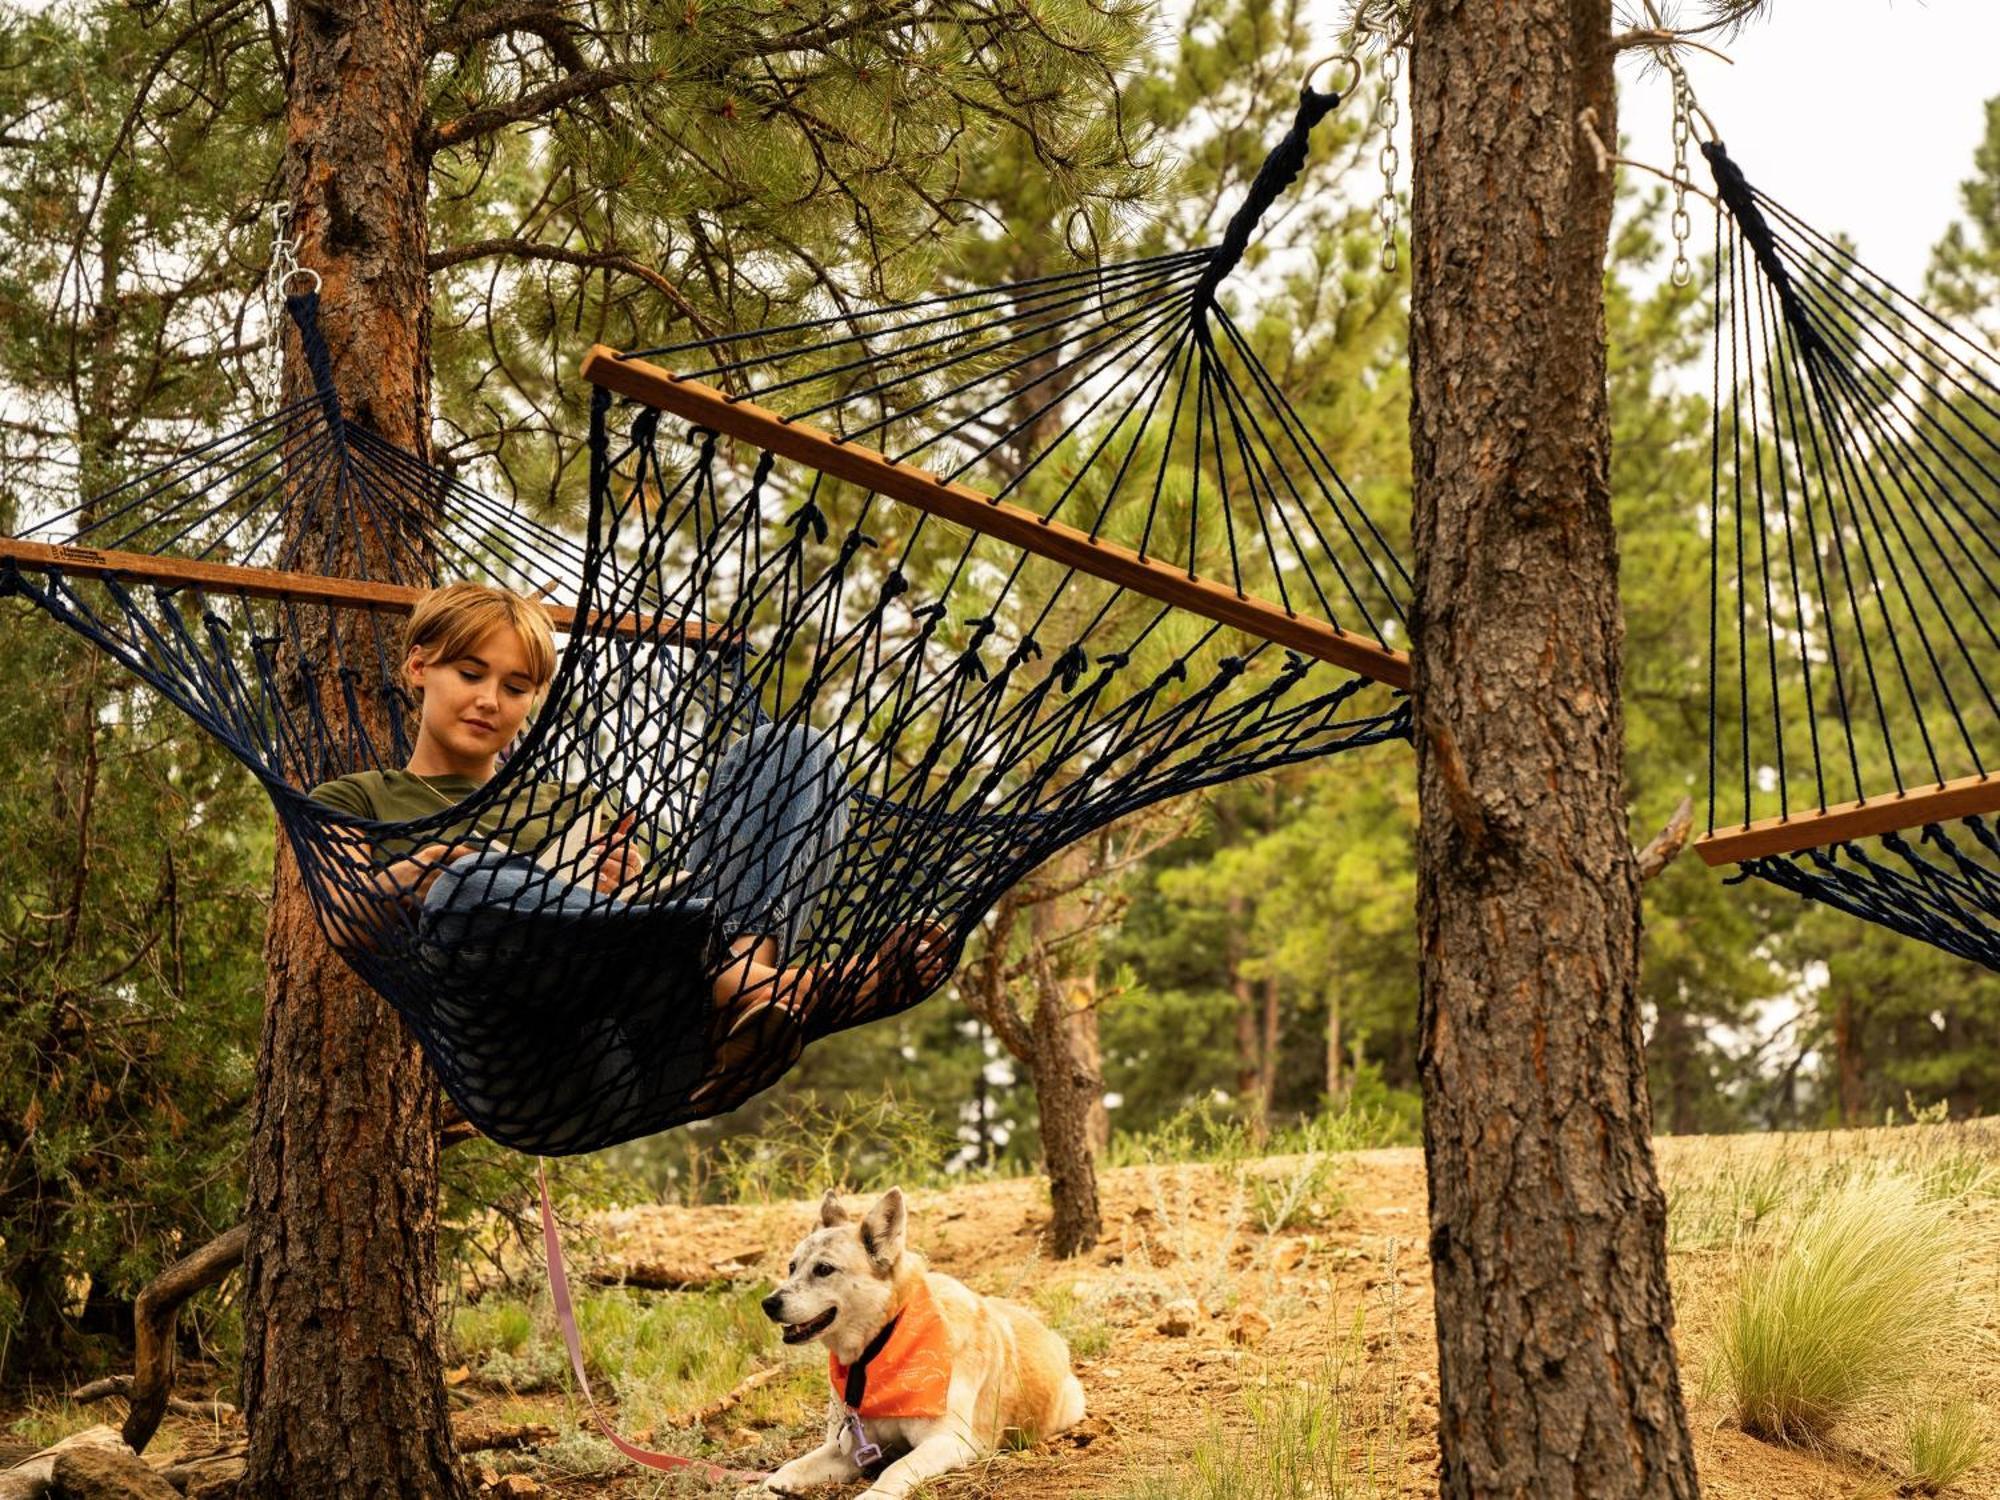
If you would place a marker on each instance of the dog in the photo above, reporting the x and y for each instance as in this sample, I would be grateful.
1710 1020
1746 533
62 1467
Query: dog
927 1375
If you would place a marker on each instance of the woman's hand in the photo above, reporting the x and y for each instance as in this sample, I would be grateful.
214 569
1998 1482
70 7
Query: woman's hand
619 864
427 864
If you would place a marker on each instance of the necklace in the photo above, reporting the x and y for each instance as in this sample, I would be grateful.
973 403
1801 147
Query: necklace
443 800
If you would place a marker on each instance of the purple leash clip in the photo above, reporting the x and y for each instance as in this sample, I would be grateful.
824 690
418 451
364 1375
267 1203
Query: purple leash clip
865 1452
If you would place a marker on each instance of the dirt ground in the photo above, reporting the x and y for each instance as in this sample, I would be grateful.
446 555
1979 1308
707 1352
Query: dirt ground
1347 1301
1341 1299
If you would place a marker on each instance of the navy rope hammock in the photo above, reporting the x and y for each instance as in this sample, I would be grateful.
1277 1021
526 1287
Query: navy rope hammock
845 715
1854 552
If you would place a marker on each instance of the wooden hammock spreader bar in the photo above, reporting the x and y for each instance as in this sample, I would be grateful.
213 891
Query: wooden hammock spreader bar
303 588
1852 820
965 506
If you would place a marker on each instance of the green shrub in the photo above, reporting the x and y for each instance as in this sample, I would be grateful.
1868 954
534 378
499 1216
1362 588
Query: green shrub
1850 1308
1944 1444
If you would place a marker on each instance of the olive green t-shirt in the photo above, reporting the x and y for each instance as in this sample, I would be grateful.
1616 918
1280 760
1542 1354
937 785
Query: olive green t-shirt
548 821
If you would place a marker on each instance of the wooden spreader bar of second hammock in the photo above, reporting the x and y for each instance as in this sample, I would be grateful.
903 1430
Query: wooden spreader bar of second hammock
1820 828
309 588
964 506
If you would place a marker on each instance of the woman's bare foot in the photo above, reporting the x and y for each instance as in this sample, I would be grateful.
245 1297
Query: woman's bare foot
763 1004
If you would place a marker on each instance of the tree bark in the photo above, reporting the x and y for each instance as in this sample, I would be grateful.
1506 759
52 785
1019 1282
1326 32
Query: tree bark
1847 1050
1267 1062
1555 1325
1065 1088
1069 1084
342 1378
1249 1068
1333 1059
1086 1045
1673 1046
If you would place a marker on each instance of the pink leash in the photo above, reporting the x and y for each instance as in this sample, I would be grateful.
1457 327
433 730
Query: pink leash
566 1316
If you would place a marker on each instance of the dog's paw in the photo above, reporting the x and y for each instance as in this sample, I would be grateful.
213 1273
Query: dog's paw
790 1480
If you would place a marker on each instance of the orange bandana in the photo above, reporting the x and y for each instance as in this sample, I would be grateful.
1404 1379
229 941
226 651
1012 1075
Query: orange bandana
911 1376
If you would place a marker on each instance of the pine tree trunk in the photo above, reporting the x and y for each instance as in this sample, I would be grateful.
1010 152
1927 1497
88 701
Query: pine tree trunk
1067 1088
342 1378
1333 1059
1064 1090
1267 1063
1086 1045
1847 1049
1249 1069
1673 1046
1555 1326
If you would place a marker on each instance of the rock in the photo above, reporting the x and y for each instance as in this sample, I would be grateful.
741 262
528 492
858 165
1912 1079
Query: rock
218 1481
516 1484
106 1474
1178 1319
29 1479
1290 1254
1249 1328
207 1476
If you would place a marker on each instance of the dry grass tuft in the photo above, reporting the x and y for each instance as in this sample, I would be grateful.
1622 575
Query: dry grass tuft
1852 1307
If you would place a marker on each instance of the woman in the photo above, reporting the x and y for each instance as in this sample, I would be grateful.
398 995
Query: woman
765 836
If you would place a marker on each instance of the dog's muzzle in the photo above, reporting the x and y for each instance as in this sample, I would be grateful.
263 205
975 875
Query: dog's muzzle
797 1333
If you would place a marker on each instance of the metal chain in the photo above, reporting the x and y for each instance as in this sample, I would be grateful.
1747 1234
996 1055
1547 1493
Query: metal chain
1387 114
284 266
1682 273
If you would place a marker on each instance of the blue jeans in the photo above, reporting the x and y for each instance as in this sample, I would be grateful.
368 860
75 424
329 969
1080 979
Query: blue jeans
765 838
558 1001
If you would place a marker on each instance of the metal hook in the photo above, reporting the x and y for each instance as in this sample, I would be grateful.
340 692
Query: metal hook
299 271
1333 57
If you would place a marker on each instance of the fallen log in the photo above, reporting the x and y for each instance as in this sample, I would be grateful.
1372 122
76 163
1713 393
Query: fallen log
121 1385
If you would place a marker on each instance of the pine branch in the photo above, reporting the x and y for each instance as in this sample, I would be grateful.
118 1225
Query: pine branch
615 260
466 32
543 101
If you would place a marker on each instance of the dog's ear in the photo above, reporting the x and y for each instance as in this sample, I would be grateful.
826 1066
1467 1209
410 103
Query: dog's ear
830 1211
882 1230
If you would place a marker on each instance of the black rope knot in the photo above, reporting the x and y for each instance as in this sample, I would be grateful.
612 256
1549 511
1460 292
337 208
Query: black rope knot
895 585
1175 673
809 517
1069 667
1230 668
1280 170
1029 650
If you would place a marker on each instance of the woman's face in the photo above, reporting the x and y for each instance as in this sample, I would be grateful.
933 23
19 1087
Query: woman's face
474 705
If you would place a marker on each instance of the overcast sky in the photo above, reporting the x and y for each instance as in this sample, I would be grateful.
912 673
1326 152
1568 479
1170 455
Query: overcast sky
1858 115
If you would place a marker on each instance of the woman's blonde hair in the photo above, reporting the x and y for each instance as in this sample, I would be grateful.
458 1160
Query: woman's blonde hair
448 622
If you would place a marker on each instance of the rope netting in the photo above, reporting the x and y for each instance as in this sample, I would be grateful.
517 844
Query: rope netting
834 725
1854 552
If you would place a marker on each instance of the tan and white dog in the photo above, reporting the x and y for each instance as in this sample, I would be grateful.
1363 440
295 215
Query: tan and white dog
944 1375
